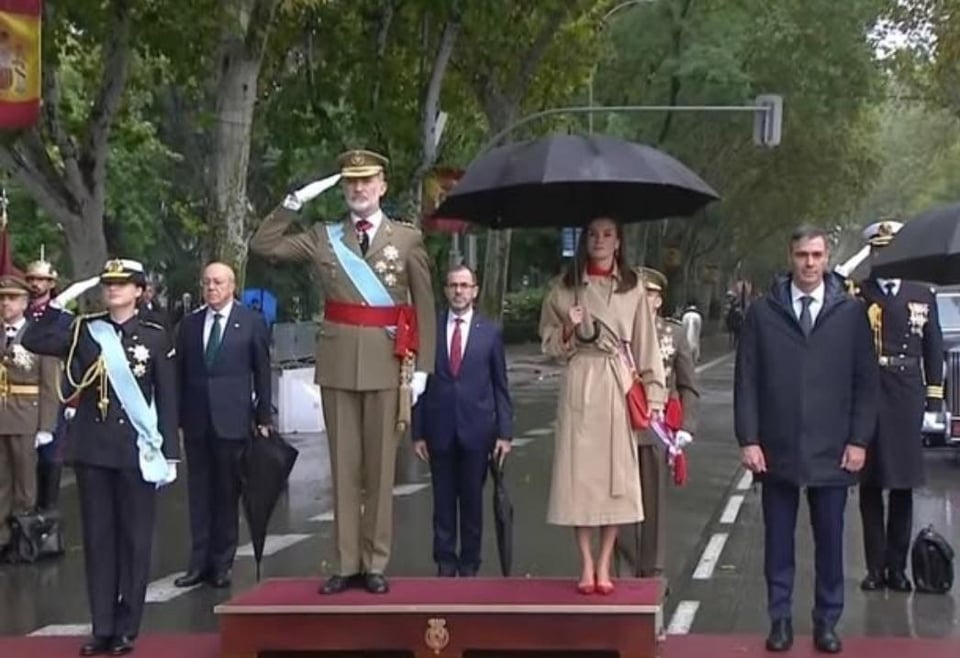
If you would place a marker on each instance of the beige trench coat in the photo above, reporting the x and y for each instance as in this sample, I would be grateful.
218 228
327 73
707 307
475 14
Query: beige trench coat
595 461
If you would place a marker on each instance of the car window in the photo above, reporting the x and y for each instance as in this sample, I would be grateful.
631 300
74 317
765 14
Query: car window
949 308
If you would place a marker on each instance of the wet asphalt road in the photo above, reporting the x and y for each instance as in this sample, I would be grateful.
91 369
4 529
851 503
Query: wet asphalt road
716 591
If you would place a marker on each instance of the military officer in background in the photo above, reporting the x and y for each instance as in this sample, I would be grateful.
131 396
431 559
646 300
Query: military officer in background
909 347
41 278
28 408
678 364
378 328
122 443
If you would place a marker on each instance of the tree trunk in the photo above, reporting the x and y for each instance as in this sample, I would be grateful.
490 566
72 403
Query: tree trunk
236 97
87 245
496 264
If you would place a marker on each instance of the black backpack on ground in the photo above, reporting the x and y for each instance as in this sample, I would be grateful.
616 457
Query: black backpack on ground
932 560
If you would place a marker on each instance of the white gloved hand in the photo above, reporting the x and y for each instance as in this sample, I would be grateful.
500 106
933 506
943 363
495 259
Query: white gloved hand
69 413
75 290
418 385
684 438
42 439
309 192
171 474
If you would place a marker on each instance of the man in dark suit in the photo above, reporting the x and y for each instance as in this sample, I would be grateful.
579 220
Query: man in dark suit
224 377
464 415
805 408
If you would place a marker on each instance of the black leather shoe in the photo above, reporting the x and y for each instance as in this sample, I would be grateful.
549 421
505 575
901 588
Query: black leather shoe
220 580
191 578
781 635
337 583
826 641
446 571
376 583
96 646
872 583
897 581
121 645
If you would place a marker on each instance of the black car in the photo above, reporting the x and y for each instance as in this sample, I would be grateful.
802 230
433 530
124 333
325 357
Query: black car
943 430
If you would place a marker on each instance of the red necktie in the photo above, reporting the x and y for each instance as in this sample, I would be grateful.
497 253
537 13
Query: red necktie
456 351
363 238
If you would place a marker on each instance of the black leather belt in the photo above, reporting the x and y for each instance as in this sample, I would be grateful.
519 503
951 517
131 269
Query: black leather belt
898 361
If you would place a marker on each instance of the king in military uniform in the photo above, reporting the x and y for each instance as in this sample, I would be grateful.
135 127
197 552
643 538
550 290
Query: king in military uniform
28 408
375 349
122 443
909 347
648 550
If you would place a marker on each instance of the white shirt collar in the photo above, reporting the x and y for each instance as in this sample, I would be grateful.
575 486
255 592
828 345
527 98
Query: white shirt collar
224 312
18 325
883 285
817 293
375 220
467 317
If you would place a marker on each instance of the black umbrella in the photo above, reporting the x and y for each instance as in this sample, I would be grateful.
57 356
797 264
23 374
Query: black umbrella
265 465
567 180
502 517
925 249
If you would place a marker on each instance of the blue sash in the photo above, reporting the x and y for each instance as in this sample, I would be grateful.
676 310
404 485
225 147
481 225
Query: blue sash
153 464
361 275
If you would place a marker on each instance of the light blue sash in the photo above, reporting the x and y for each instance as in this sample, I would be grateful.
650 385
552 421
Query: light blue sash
361 275
153 464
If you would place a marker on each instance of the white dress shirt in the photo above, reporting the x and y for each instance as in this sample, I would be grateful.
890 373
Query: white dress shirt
883 285
13 329
376 219
815 306
208 321
452 317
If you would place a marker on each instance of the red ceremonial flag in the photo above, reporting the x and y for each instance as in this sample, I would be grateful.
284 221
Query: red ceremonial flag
19 63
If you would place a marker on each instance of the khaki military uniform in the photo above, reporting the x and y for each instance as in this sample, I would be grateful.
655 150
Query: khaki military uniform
649 539
359 374
28 405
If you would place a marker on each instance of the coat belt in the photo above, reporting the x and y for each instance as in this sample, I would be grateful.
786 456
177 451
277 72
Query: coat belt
896 361
21 389
402 318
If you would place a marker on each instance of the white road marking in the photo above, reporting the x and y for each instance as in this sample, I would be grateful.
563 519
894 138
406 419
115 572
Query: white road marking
710 557
274 544
540 431
326 516
745 481
63 629
714 362
407 489
732 509
519 443
683 617
163 589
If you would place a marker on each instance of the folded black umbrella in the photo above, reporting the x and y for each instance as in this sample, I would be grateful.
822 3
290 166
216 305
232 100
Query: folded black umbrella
502 517
567 180
265 465
927 248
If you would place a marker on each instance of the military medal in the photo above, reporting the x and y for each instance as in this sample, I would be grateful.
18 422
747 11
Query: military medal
919 316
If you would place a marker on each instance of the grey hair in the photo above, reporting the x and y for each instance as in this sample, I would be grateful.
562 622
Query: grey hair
808 232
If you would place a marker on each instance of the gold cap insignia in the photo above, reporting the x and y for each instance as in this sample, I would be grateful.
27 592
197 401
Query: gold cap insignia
361 163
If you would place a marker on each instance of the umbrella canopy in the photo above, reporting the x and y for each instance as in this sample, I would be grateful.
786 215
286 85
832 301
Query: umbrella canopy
927 248
567 180
502 518
265 465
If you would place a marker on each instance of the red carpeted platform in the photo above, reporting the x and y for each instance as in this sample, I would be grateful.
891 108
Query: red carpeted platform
446 594
682 646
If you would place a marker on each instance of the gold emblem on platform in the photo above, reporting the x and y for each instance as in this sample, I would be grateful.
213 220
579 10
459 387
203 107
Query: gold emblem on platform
437 636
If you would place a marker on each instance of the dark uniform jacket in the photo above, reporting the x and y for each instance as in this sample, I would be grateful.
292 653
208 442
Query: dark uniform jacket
108 439
909 348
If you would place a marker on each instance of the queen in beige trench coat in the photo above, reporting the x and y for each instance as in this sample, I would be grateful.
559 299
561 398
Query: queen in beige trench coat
584 323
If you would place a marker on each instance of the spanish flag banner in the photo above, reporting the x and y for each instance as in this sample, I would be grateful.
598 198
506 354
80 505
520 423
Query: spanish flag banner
19 63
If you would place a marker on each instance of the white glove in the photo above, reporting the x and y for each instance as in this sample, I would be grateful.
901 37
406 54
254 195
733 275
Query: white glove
42 439
309 192
418 384
684 438
75 290
69 413
171 474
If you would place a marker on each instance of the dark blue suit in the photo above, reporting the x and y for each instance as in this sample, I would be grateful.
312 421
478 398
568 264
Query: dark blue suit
461 417
219 405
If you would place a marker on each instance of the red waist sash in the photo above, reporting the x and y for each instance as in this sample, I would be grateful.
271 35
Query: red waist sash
401 316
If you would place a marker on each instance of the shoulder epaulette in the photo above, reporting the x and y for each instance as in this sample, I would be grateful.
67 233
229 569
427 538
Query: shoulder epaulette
405 223
92 316
151 324
675 321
